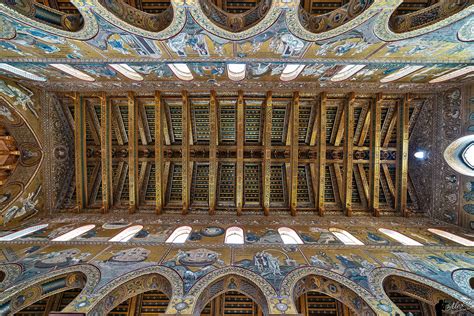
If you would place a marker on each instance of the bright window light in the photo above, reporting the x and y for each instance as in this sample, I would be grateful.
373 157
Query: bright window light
74 233
289 236
23 232
452 237
180 235
291 72
345 237
73 72
21 72
127 234
420 154
453 74
404 240
468 155
346 72
234 235
127 71
181 71
236 72
405 71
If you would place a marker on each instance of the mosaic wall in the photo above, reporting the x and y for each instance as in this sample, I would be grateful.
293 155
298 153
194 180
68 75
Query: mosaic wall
264 263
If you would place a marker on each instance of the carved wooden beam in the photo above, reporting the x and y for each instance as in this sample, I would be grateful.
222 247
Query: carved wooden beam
159 196
267 143
132 153
240 153
295 118
321 154
80 150
213 140
185 176
348 154
402 155
374 168
106 151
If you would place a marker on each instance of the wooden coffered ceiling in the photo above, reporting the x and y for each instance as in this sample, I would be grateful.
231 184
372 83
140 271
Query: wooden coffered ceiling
245 153
315 7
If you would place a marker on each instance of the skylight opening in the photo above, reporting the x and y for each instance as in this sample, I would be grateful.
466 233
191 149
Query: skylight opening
345 237
289 236
346 72
127 234
74 233
181 71
20 72
73 72
291 72
458 239
405 71
180 235
23 232
404 240
234 236
127 71
453 74
236 72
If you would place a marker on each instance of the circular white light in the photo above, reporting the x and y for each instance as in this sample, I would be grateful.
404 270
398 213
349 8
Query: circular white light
420 155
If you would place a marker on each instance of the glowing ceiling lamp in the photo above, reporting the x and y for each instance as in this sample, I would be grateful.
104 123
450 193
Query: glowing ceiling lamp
73 72
127 71
21 72
236 72
291 72
181 71
453 74
400 73
346 72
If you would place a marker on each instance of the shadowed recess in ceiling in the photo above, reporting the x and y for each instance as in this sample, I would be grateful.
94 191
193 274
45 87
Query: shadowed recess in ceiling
412 15
58 14
320 16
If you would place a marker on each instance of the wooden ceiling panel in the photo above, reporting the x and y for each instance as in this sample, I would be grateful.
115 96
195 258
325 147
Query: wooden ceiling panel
291 165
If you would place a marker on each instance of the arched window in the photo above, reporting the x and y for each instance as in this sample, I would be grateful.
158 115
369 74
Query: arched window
289 236
74 233
452 237
236 72
180 235
400 73
234 235
453 74
127 234
23 232
181 71
20 72
345 237
291 71
346 72
404 240
127 71
73 72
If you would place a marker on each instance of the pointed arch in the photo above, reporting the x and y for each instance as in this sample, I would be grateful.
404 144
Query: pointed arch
157 278
378 276
29 291
235 279
332 284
